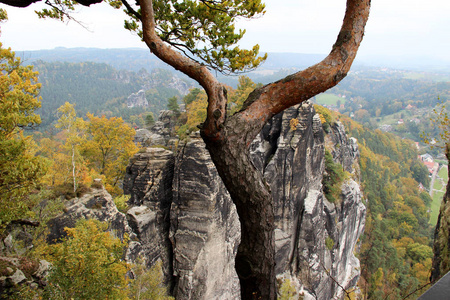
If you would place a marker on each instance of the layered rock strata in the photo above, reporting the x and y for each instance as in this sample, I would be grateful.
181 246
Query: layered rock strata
315 239
182 214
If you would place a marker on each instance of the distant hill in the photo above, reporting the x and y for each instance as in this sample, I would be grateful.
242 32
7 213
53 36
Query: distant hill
134 59
131 59
277 66
99 88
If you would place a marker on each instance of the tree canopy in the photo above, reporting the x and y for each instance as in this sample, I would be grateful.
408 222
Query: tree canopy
20 169
87 264
202 30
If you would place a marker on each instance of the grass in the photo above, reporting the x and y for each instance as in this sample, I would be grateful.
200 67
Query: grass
434 207
413 75
437 185
443 173
329 99
437 196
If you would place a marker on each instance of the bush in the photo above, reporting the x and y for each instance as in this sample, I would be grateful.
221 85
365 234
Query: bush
121 203
87 264
287 290
329 242
333 177
66 190
326 117
148 283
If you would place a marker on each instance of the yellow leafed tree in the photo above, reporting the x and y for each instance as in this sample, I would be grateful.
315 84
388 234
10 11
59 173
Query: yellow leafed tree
74 135
20 169
108 148
87 264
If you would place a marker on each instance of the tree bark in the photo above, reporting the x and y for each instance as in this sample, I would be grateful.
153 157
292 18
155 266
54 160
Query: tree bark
255 260
228 138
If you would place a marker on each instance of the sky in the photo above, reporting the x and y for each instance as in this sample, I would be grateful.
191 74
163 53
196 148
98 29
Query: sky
401 28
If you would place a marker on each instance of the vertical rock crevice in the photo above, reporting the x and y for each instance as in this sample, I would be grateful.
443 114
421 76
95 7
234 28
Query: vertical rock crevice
315 239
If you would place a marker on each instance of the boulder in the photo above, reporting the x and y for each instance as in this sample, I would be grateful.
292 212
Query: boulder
97 204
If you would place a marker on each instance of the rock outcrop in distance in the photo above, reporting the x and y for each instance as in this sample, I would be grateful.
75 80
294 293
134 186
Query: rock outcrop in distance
181 213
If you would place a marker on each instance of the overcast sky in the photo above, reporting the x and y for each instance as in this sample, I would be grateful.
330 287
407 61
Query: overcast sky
396 27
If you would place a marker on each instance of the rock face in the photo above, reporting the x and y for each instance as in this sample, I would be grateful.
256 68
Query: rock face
97 204
315 239
205 230
290 152
160 133
165 78
137 99
148 180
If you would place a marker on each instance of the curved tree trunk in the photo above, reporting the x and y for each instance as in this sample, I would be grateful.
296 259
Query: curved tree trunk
228 138
254 263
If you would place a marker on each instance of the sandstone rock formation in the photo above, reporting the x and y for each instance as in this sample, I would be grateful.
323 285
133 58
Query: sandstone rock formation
98 204
305 220
137 99
205 230
149 182
160 134
182 214
315 239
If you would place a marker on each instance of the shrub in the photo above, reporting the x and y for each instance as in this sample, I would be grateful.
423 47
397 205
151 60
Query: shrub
329 242
333 177
121 203
87 264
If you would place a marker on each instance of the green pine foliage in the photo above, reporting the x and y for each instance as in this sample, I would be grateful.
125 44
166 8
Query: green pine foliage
333 178
172 104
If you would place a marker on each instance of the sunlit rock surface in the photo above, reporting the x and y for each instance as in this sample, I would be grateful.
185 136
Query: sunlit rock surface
182 214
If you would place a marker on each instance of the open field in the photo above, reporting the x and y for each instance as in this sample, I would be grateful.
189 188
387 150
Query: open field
439 190
329 99
435 205
443 173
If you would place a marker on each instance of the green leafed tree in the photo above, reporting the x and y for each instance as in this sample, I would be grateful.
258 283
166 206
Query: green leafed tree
172 104
196 37
20 169
149 120
147 284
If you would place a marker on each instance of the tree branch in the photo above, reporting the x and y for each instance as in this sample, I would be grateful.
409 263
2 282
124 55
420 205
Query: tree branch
19 3
273 98
195 70
347 293
157 46
131 10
